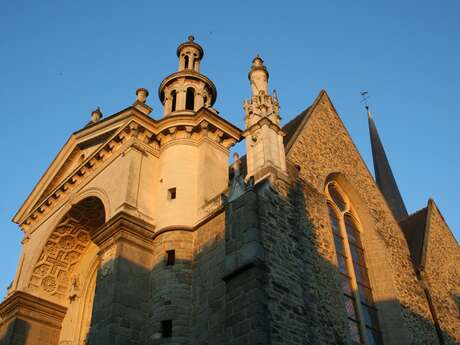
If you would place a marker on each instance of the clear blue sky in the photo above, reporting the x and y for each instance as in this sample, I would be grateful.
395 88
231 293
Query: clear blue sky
61 59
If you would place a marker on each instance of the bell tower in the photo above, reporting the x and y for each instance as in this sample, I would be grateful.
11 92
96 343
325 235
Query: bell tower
187 90
264 137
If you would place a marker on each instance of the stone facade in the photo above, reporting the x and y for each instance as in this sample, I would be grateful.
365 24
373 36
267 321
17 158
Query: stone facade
137 235
441 272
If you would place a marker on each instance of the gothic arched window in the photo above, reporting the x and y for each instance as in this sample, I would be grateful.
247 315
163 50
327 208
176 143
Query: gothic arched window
359 304
190 99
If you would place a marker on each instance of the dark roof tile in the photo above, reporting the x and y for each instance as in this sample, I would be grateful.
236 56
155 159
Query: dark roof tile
414 228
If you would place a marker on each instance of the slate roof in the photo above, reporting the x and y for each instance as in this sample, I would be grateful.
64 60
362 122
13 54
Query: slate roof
414 228
384 175
291 127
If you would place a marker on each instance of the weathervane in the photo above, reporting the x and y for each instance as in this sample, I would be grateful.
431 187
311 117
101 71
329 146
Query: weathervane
365 96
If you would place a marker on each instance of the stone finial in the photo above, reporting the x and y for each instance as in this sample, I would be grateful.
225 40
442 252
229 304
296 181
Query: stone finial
237 185
258 75
257 61
191 38
142 95
96 115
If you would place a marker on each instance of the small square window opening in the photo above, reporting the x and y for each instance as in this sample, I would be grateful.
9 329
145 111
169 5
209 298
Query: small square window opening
171 193
166 328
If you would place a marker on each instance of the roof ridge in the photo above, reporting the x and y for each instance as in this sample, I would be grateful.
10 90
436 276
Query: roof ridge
413 214
303 117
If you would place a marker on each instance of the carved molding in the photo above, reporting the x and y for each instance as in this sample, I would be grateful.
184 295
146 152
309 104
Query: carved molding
264 121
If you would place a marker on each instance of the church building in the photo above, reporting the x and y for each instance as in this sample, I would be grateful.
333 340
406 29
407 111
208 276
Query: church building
140 232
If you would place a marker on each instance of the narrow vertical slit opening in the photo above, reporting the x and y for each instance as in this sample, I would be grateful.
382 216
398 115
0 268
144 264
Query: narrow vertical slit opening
170 257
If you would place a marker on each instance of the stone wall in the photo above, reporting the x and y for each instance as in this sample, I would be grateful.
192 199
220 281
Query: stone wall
302 289
442 274
170 288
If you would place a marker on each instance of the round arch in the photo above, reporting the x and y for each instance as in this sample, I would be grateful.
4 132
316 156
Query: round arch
97 193
65 243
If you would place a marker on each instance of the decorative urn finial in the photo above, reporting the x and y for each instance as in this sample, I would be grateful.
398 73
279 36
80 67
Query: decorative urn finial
142 95
96 115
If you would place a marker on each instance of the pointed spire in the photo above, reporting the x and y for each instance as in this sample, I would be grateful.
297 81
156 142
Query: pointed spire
383 174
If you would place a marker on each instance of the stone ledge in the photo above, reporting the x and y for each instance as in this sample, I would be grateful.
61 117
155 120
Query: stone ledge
123 225
238 270
25 306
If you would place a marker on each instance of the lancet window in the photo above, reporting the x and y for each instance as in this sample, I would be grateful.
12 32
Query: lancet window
357 292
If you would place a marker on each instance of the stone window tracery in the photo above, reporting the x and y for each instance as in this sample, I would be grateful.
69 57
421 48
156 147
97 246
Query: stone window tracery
357 292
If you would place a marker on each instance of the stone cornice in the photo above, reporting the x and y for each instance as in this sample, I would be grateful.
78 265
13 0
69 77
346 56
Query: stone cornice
28 307
188 74
201 222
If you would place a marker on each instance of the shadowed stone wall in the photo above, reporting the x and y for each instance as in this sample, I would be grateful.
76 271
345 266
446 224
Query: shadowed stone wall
208 290
302 287
246 299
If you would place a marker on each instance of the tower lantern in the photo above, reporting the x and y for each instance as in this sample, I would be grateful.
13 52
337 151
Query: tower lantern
258 75
187 90
190 55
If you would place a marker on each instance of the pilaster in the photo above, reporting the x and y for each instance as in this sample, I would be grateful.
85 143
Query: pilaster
119 310
29 320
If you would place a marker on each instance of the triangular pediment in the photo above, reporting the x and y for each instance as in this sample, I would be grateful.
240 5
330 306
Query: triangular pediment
318 141
439 243
75 152
77 156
